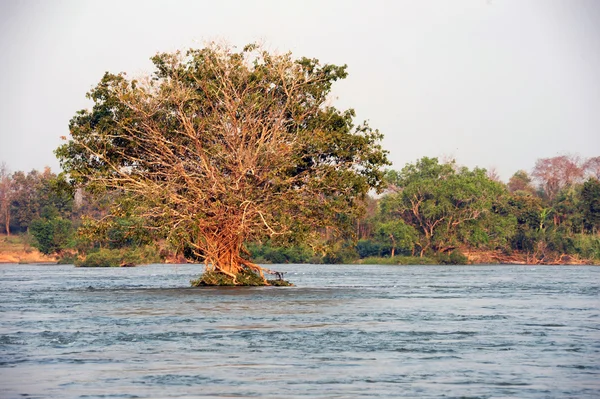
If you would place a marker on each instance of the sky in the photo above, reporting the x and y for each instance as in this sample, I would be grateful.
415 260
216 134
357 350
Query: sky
491 83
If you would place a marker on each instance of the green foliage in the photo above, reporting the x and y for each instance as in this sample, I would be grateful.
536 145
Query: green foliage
590 205
372 248
527 209
399 260
51 235
120 229
225 147
530 217
587 246
266 253
25 199
120 257
520 181
453 258
442 203
101 258
526 240
146 254
67 259
280 283
399 236
34 195
56 193
556 241
246 278
451 207
341 253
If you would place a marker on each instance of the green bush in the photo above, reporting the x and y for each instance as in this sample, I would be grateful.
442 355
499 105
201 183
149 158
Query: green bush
142 255
120 257
587 246
398 260
67 259
51 235
344 254
453 258
265 253
101 258
370 248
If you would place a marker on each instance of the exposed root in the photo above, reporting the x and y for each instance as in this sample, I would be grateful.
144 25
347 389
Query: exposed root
249 274
233 276
255 268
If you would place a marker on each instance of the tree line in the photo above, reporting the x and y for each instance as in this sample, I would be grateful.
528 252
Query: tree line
430 211
235 157
549 216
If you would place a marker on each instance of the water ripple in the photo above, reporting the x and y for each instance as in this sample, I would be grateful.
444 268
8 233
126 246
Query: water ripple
342 332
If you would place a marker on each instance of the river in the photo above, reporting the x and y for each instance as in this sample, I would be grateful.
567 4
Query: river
344 331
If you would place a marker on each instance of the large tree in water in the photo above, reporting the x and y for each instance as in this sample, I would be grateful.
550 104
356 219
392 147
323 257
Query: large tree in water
225 146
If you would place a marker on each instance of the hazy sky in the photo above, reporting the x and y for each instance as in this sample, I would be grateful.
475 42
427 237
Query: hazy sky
492 83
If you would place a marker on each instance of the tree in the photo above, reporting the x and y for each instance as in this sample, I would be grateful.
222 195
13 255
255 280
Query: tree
365 225
55 192
52 234
590 204
5 197
119 228
32 193
226 146
592 167
25 198
492 174
532 218
440 200
557 173
520 181
400 235
566 210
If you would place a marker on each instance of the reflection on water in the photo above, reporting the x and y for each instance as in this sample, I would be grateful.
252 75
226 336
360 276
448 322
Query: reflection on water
344 331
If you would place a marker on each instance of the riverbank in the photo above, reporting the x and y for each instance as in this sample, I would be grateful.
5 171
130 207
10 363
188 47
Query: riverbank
17 249
485 258
522 258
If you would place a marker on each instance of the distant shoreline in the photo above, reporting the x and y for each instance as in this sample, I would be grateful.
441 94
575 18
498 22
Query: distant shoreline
14 251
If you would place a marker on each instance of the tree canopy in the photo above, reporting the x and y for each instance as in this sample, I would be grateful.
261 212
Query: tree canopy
220 146
442 202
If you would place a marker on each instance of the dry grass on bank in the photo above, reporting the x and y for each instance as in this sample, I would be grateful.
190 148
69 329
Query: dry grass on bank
520 258
16 249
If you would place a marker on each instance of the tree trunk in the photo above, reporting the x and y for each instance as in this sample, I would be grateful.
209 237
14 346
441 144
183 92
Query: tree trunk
7 221
223 255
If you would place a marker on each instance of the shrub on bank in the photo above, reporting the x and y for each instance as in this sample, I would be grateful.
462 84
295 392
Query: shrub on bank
372 249
453 258
265 254
343 254
398 260
67 259
142 255
101 258
120 257
587 246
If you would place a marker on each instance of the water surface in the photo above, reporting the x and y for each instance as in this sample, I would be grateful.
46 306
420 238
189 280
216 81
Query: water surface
343 332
